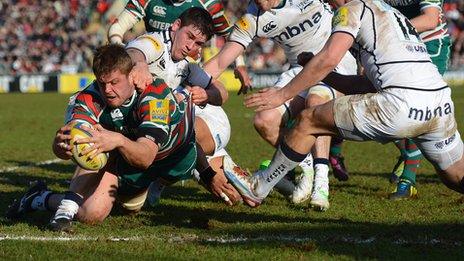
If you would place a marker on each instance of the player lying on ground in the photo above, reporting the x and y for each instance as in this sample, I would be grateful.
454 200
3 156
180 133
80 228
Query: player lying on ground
412 100
148 135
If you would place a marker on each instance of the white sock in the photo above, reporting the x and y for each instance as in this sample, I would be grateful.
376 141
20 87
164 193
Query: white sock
266 179
307 164
67 209
321 177
38 203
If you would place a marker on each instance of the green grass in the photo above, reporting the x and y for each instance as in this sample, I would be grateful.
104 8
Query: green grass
190 224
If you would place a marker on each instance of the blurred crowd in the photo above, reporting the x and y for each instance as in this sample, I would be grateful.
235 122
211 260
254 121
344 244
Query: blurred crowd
43 36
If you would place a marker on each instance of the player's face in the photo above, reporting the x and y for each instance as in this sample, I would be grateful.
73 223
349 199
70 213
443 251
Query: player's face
267 5
186 40
116 88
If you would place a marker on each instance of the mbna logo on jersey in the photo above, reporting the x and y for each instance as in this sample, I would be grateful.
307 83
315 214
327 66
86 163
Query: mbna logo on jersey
159 10
292 31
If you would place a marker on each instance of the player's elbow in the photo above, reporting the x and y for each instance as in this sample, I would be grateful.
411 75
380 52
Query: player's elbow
143 163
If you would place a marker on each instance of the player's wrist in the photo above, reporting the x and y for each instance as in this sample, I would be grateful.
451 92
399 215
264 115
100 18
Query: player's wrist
207 175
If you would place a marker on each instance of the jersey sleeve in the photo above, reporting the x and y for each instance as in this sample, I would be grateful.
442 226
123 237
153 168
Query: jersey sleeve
156 106
430 3
221 24
85 106
244 30
347 19
196 76
137 8
149 45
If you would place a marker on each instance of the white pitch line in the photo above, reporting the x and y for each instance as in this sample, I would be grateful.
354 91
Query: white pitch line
61 238
233 240
38 164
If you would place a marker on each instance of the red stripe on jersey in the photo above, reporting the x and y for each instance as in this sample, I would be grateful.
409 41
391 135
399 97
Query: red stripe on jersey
130 6
409 162
215 8
142 2
156 89
85 117
441 31
88 100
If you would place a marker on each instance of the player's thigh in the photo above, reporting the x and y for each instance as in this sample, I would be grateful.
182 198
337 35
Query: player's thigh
216 125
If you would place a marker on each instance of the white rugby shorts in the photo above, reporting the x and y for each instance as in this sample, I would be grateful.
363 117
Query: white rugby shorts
427 117
218 123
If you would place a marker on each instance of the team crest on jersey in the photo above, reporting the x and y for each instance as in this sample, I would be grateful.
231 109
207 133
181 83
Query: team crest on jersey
153 41
243 23
341 17
116 114
159 111
159 11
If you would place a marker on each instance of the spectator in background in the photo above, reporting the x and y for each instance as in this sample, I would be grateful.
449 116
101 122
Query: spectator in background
46 36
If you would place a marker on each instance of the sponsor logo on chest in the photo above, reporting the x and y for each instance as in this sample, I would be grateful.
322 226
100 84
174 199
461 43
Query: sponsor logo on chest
297 29
159 10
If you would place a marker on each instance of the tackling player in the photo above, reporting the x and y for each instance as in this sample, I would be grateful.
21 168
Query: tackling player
297 26
164 54
411 100
428 19
160 15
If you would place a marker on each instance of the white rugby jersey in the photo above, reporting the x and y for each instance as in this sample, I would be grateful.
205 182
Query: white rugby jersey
387 45
297 25
156 47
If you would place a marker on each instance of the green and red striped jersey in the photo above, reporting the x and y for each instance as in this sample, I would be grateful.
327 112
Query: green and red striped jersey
158 15
154 114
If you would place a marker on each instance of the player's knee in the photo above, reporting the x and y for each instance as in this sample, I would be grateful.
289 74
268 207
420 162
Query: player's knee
264 122
92 214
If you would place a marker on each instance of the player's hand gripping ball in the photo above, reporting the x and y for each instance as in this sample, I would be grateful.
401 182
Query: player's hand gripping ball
85 161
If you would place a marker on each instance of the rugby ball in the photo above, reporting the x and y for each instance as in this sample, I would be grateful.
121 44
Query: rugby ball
84 161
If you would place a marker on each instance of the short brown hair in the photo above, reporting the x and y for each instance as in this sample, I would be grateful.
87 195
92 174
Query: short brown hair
111 57
199 18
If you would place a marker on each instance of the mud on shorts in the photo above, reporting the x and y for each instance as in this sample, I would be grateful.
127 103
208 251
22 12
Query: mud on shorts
133 182
427 117
218 124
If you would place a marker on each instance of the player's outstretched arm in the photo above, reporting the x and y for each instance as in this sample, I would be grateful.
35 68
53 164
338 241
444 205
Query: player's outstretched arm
226 56
313 72
126 20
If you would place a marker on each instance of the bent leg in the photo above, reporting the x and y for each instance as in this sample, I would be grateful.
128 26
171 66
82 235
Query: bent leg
270 124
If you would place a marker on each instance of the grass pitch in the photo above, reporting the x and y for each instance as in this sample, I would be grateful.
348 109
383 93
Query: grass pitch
189 224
